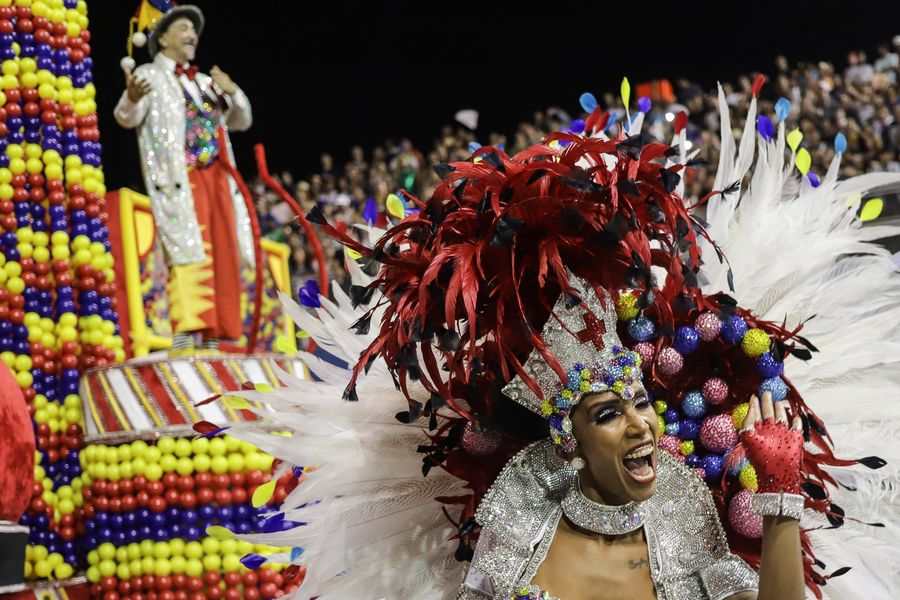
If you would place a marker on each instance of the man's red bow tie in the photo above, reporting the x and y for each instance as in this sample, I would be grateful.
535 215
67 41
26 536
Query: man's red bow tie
191 71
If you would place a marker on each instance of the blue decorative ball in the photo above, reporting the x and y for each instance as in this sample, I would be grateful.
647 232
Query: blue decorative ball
692 460
693 404
733 330
776 386
686 339
768 367
712 464
672 428
641 329
670 416
689 429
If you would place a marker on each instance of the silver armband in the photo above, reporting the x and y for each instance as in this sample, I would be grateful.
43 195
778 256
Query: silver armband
777 505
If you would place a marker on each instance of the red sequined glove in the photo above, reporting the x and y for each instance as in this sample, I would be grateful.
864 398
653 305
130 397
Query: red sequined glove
775 453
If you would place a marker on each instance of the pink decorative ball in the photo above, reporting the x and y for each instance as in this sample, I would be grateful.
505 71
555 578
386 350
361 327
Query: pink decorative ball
670 444
718 434
669 361
646 351
708 325
479 443
700 473
715 390
745 523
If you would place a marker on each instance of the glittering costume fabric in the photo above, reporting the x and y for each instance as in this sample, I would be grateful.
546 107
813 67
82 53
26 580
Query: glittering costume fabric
201 148
687 549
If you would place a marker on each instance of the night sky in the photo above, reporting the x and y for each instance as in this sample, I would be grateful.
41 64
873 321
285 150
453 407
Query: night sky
322 76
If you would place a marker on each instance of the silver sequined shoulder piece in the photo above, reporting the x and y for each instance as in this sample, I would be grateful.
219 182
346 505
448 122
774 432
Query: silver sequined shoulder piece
683 528
529 488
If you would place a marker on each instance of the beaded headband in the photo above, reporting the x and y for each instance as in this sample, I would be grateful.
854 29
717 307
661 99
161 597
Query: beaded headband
583 339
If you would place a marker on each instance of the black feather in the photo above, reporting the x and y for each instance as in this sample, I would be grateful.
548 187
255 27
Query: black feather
506 230
873 462
361 326
315 215
629 188
350 393
443 169
839 572
538 173
731 189
493 159
360 294
670 179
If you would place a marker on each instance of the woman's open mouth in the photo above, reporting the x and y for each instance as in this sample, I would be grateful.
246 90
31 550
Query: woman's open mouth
640 464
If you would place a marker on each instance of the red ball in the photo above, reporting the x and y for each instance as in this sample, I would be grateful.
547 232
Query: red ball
126 486
214 592
222 481
268 590
223 498
149 583
67 533
129 503
170 480
157 504
179 581
266 575
185 483
187 500
163 582
251 593
181 595
232 579
250 579
155 488
172 497
194 584
115 505
205 495
232 594
211 578
124 586
111 595
140 482
202 480
239 495
109 583
238 479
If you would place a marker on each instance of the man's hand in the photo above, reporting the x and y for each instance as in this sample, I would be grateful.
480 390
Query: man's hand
137 87
223 80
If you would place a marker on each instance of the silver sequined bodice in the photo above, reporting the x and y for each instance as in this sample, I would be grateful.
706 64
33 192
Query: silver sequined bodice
689 556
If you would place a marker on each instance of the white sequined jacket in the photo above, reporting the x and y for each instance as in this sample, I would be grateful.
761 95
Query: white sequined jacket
689 555
160 117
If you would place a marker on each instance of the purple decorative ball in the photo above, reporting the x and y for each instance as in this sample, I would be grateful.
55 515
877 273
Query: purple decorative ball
479 443
768 367
669 443
686 340
743 522
776 386
673 428
692 460
733 330
693 405
718 434
646 351
712 464
644 104
715 390
708 326
670 416
669 361
641 329
688 429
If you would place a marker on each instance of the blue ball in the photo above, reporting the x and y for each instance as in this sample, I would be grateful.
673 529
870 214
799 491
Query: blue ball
670 416
776 386
672 428
693 404
689 429
712 464
733 330
768 367
641 329
692 460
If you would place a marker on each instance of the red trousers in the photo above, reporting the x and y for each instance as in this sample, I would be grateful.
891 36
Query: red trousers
206 297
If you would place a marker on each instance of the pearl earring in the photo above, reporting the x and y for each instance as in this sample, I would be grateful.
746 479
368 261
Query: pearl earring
577 463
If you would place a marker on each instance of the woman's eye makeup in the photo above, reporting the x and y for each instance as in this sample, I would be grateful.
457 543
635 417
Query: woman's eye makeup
608 413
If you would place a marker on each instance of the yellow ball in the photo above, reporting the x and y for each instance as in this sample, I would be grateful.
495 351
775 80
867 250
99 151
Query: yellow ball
217 447
152 454
93 574
236 463
193 567
182 447
202 463
747 477
231 563
184 466
17 166
219 464
153 472
193 550
15 285
63 571
686 447
148 565
168 462
178 563
53 172
626 306
161 550
107 568
210 545
24 379
123 571
42 569
755 342
136 567
739 414
212 562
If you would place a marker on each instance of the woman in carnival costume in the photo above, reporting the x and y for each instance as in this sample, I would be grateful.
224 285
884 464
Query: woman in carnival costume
572 280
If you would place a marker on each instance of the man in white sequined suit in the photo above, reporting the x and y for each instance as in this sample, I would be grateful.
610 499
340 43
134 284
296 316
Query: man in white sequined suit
200 214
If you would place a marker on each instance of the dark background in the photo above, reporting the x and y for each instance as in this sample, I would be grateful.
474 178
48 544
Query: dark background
322 76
